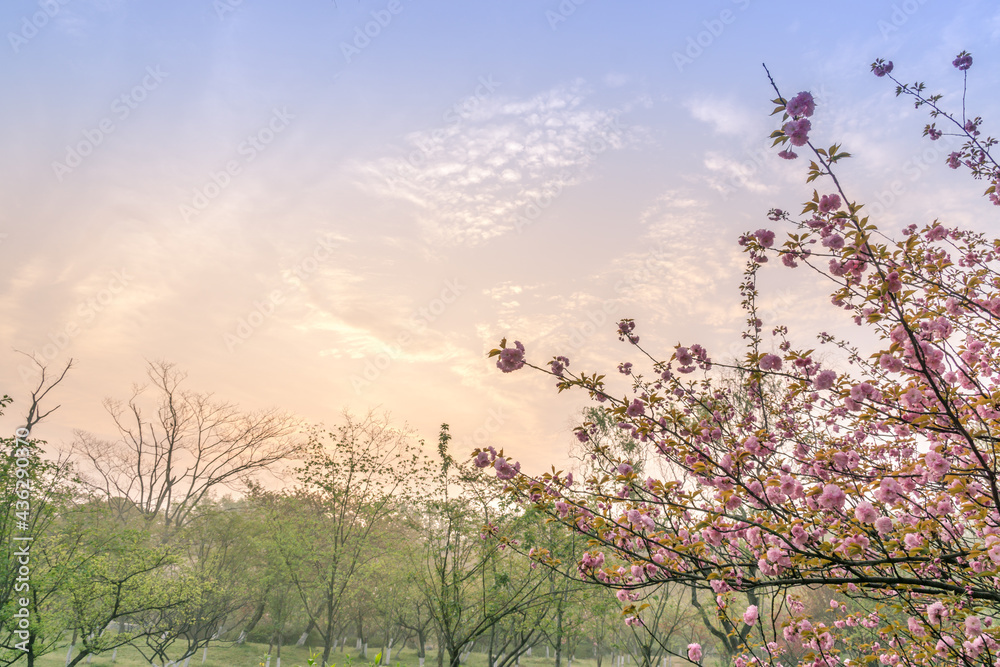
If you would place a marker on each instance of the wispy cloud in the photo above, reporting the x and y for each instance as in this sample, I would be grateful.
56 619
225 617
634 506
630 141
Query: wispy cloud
468 179
725 116
685 259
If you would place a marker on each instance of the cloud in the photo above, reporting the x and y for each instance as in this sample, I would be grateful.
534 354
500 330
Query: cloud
685 262
725 116
472 179
616 79
729 174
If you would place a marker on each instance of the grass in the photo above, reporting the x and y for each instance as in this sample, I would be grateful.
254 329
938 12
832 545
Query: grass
226 654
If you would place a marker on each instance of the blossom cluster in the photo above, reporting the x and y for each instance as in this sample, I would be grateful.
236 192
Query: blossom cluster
975 153
877 483
799 109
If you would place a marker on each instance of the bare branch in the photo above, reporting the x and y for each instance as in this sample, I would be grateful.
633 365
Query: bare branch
45 385
176 446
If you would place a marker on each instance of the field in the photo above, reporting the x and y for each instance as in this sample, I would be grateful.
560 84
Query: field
249 654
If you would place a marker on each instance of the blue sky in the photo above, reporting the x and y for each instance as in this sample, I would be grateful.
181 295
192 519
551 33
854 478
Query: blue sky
304 215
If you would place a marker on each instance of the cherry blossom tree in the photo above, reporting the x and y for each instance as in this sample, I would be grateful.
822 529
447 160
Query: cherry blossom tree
874 481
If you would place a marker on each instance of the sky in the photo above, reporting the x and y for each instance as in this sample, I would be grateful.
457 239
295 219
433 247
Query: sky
320 206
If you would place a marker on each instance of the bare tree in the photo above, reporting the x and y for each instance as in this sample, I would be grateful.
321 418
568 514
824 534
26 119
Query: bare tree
38 394
169 458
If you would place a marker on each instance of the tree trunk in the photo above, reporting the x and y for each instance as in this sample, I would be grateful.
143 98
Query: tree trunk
72 645
84 653
257 615
362 639
31 649
305 635
559 634
327 633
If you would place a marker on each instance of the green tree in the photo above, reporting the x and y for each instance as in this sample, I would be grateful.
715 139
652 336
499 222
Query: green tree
469 587
99 575
356 481
32 489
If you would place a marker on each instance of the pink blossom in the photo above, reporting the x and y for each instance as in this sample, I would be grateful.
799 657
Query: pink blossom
797 131
832 497
802 104
511 358
788 154
882 68
944 644
943 507
888 490
558 365
865 512
636 409
750 615
833 241
701 355
936 612
936 233
937 464
953 160
890 363
973 627
861 391
770 362
912 397
963 61
829 203
765 237
482 459
893 282
504 469
694 652
825 379
625 329
883 525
